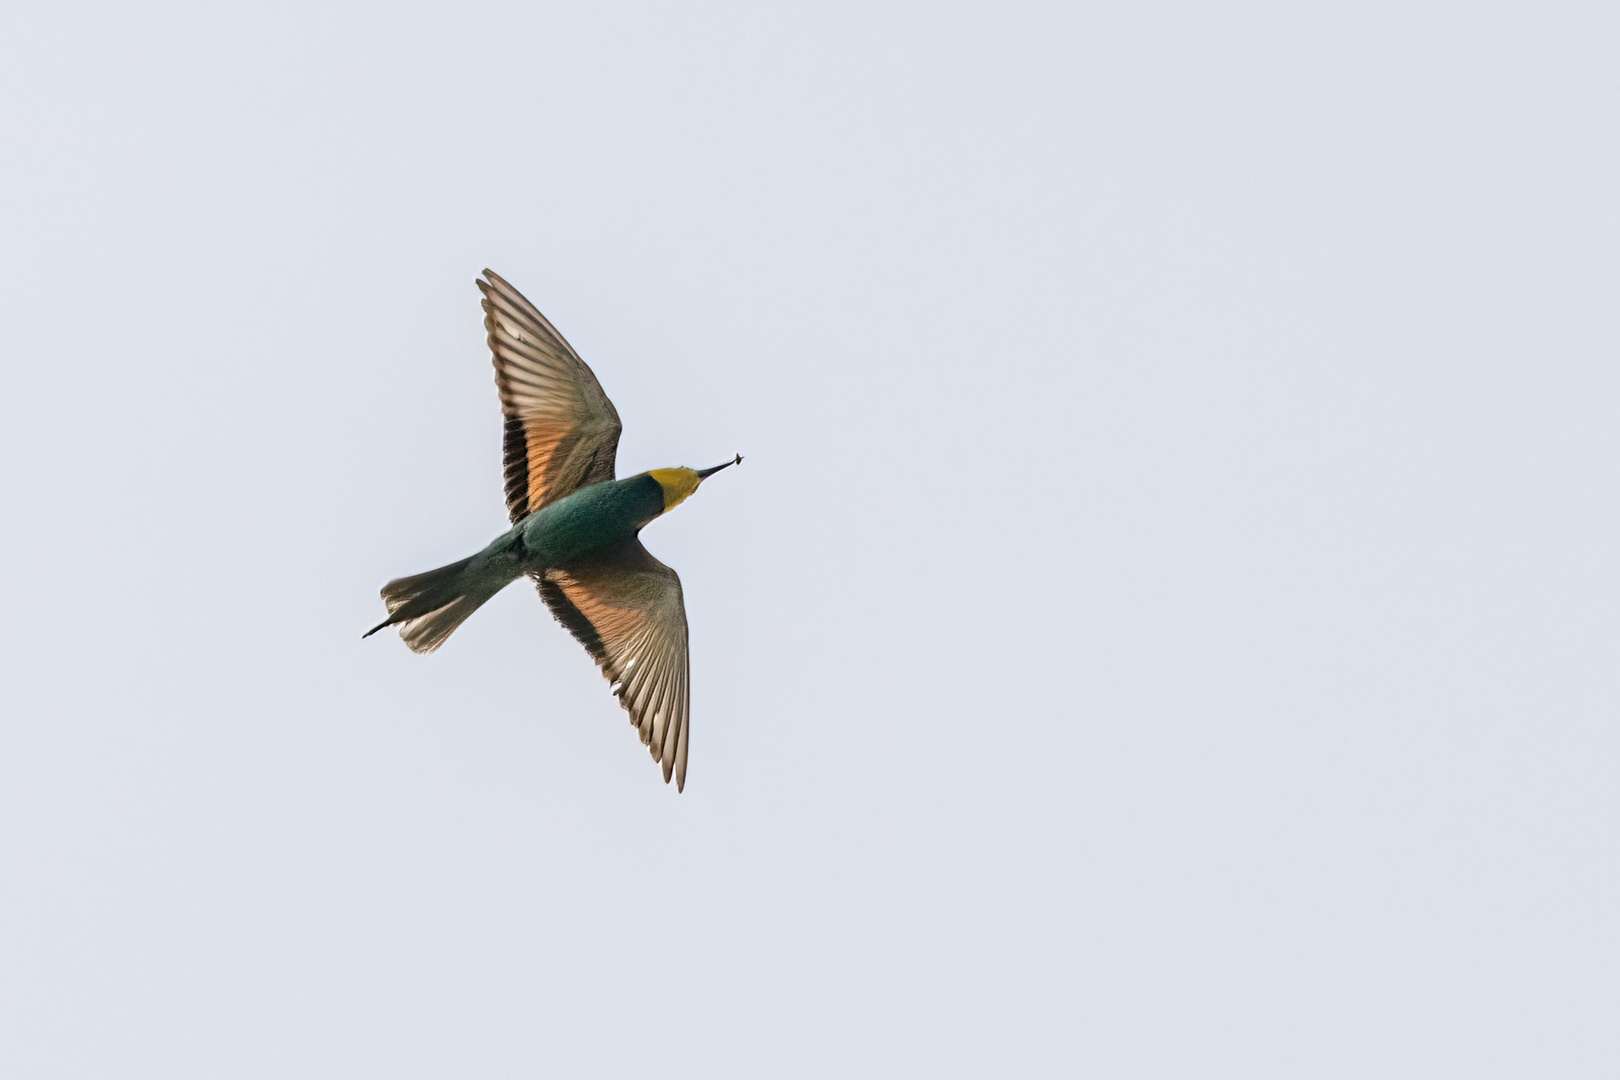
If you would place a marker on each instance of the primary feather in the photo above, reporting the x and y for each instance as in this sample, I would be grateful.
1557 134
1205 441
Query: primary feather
562 432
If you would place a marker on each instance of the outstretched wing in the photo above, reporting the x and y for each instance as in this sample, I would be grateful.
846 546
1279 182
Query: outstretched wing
625 607
562 432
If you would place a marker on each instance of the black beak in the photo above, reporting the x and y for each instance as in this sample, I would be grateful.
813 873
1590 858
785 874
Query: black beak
704 474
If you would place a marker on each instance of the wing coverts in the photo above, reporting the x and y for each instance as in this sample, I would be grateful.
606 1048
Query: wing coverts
562 432
626 608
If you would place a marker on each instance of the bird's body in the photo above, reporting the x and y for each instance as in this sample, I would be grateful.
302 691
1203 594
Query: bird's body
575 531
591 518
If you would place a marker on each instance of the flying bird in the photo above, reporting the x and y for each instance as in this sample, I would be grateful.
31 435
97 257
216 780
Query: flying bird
575 531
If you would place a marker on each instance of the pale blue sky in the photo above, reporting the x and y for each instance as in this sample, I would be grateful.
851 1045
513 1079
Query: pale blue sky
1165 625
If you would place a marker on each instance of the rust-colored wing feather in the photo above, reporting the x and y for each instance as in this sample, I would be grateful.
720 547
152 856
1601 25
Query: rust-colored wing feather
626 608
562 432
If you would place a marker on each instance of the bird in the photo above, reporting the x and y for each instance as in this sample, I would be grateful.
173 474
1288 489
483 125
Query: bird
575 531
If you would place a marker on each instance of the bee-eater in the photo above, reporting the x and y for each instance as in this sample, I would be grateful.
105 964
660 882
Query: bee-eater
575 531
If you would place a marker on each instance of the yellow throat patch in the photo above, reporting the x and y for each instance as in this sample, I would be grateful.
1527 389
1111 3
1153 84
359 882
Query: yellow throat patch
677 483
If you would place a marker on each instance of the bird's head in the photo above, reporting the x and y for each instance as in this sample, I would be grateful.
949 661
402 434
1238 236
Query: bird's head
680 482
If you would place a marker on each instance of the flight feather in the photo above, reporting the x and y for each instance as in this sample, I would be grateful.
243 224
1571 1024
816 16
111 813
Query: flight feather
562 432
626 608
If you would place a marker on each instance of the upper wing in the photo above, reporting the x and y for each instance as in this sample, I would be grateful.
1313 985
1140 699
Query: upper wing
562 432
625 607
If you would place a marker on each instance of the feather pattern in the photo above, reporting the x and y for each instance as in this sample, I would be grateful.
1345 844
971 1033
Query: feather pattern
562 432
626 608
